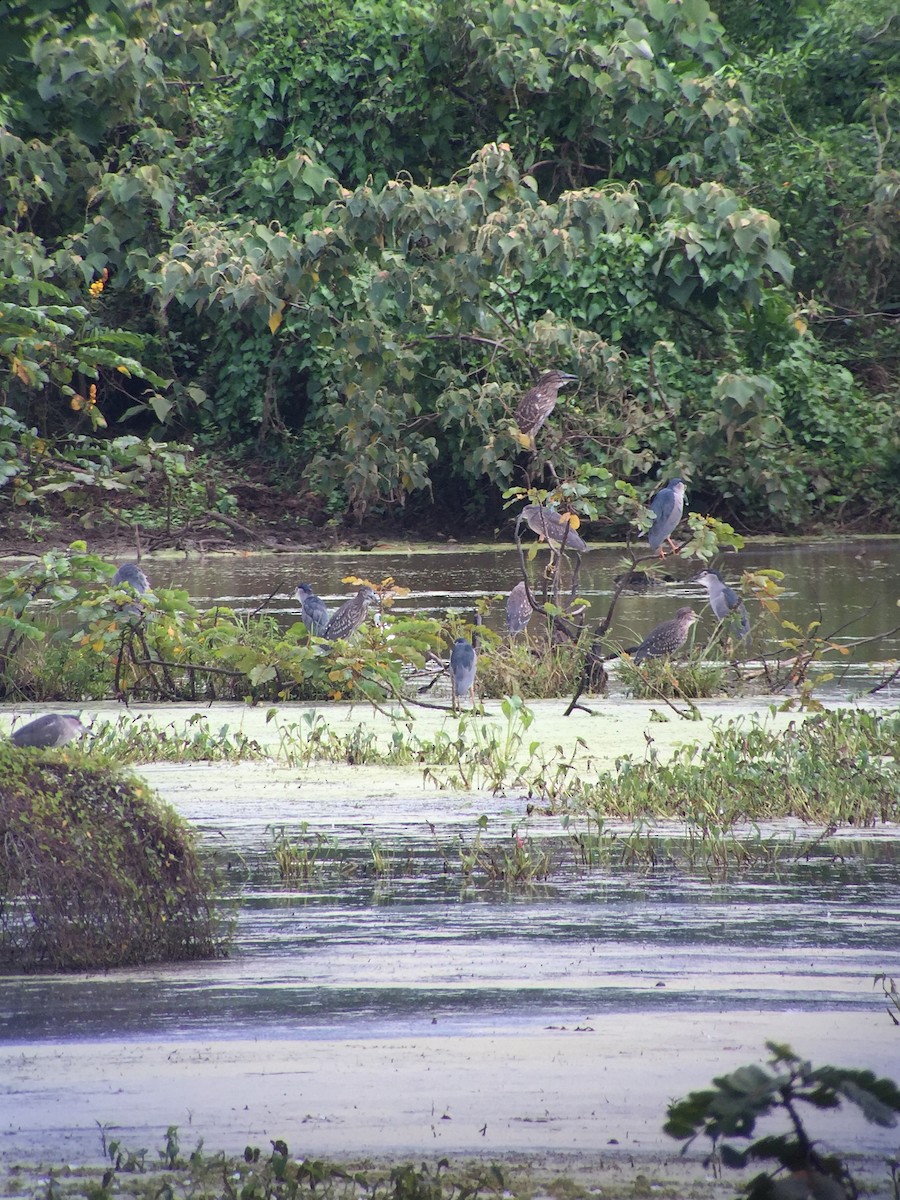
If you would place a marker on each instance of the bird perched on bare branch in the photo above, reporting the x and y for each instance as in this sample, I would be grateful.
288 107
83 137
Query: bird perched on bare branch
667 505
666 638
518 610
539 401
725 602
553 527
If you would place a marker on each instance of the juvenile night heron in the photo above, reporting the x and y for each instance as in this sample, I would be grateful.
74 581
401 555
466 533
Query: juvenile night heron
131 574
539 401
463 665
725 602
350 616
312 609
666 638
549 525
48 731
667 505
518 610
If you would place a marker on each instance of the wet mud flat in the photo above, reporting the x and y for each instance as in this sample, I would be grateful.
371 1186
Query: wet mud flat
402 1016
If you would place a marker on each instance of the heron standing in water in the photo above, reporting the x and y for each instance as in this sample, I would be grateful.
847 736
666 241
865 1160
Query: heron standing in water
463 665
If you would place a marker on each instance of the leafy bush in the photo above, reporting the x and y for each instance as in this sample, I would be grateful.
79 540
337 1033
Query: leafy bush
732 1109
95 872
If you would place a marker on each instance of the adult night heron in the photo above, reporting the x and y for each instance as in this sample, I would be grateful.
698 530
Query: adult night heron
667 505
132 575
725 602
539 401
549 525
48 731
666 638
463 665
312 609
350 616
518 610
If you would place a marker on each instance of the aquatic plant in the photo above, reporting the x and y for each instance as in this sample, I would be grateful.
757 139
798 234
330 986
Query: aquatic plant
304 856
513 860
131 739
835 768
731 1109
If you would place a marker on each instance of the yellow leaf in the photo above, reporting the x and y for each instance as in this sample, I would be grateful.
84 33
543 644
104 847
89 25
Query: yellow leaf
800 325
572 519
525 440
97 646
123 370
77 402
275 320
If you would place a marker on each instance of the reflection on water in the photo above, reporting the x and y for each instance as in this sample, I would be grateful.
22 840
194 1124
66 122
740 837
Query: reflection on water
852 586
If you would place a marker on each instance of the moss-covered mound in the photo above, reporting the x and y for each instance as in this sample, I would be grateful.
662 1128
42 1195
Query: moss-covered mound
95 871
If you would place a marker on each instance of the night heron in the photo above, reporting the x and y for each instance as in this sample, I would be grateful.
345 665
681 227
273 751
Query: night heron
48 731
549 525
350 616
666 638
463 664
725 602
312 609
667 505
539 401
131 574
518 609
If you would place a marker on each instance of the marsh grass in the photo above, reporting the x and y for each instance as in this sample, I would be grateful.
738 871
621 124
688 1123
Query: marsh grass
836 768
305 857
140 739
531 667
693 678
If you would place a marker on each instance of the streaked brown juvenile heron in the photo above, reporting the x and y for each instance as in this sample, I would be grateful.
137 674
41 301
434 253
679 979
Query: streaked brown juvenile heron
48 731
312 609
518 610
667 505
666 638
350 616
725 602
553 528
463 665
539 401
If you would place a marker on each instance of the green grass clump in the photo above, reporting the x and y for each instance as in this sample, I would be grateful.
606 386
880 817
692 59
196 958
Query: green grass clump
692 678
836 768
95 871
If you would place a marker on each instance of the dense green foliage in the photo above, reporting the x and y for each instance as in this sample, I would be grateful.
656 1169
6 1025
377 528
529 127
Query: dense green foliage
95 871
66 632
345 235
